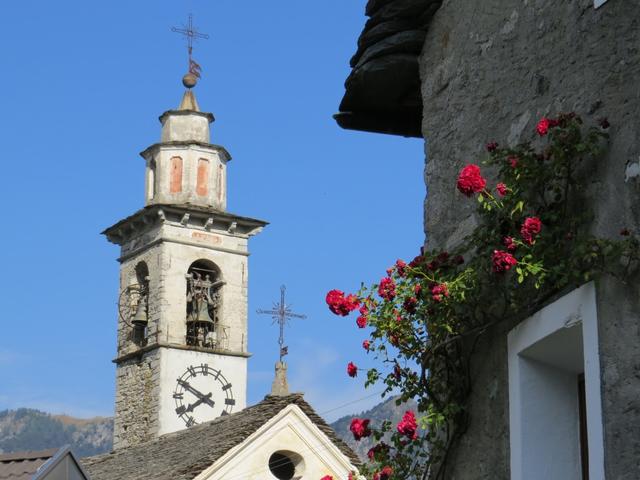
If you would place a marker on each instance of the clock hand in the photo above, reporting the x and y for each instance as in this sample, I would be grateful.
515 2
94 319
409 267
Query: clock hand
198 394
191 407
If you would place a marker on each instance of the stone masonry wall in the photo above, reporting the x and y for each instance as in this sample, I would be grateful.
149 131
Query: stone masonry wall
137 400
489 71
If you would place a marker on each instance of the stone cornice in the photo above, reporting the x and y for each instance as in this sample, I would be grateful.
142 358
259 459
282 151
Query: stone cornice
179 143
209 116
148 348
189 216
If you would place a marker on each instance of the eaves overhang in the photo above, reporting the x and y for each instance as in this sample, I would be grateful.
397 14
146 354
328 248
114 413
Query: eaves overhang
382 92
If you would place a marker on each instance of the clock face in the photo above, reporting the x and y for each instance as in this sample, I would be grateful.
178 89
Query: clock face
202 394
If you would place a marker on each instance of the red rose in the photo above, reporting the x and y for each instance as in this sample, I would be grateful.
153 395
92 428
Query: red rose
513 161
341 305
381 448
502 189
400 267
410 304
417 289
458 259
530 228
503 261
510 243
443 257
384 474
492 146
387 289
366 345
361 321
437 291
543 126
327 477
408 425
360 428
352 370
470 180
416 261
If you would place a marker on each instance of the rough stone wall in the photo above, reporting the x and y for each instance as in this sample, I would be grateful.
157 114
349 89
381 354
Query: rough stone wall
489 71
137 400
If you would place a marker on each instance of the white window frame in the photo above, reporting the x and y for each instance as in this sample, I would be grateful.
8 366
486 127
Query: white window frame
575 308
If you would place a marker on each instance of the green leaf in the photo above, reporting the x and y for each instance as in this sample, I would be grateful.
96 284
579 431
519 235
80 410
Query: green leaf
519 206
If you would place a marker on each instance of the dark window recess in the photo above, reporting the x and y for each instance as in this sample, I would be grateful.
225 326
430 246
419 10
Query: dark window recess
282 466
582 413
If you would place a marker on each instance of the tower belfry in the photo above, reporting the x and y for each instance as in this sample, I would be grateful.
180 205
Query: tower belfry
182 326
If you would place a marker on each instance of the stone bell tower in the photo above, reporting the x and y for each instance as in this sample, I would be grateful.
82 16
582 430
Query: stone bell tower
182 326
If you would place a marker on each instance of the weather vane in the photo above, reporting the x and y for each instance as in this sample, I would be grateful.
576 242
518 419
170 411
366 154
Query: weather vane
281 313
190 32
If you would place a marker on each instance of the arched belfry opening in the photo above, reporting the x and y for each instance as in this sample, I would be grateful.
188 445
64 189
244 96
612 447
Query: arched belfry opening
133 306
204 301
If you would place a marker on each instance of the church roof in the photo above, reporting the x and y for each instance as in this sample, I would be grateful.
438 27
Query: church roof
185 454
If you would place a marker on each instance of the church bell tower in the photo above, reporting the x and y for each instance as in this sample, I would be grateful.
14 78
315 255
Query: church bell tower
182 323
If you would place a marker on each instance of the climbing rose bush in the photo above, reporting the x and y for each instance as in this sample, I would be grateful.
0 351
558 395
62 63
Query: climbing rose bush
422 319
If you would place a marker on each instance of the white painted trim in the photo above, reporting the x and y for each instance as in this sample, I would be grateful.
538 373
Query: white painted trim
577 307
289 417
597 4
595 433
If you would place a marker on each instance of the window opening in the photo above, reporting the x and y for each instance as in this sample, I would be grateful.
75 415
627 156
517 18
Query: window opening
286 465
133 306
203 304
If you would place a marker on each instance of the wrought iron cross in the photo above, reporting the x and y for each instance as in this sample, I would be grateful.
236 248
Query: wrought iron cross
191 34
281 313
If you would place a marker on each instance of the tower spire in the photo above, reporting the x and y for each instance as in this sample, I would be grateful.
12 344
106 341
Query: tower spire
281 313
190 79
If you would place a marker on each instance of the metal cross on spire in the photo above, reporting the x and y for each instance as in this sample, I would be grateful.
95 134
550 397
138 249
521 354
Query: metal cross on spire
190 32
281 313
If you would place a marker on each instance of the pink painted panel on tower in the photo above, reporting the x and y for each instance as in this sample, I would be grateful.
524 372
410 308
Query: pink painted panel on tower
202 182
175 175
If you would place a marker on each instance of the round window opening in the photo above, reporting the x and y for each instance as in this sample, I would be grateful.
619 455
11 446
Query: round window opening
285 465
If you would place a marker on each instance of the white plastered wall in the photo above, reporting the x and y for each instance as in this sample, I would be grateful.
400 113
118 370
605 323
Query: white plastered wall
290 430
546 352
174 362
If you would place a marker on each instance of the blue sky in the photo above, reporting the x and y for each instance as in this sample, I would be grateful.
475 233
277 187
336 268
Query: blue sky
82 87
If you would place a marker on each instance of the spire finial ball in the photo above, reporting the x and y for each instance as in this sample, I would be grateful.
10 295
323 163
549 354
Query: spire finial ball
189 80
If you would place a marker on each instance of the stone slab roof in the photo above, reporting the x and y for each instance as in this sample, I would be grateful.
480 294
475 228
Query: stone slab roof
23 465
185 454
383 90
